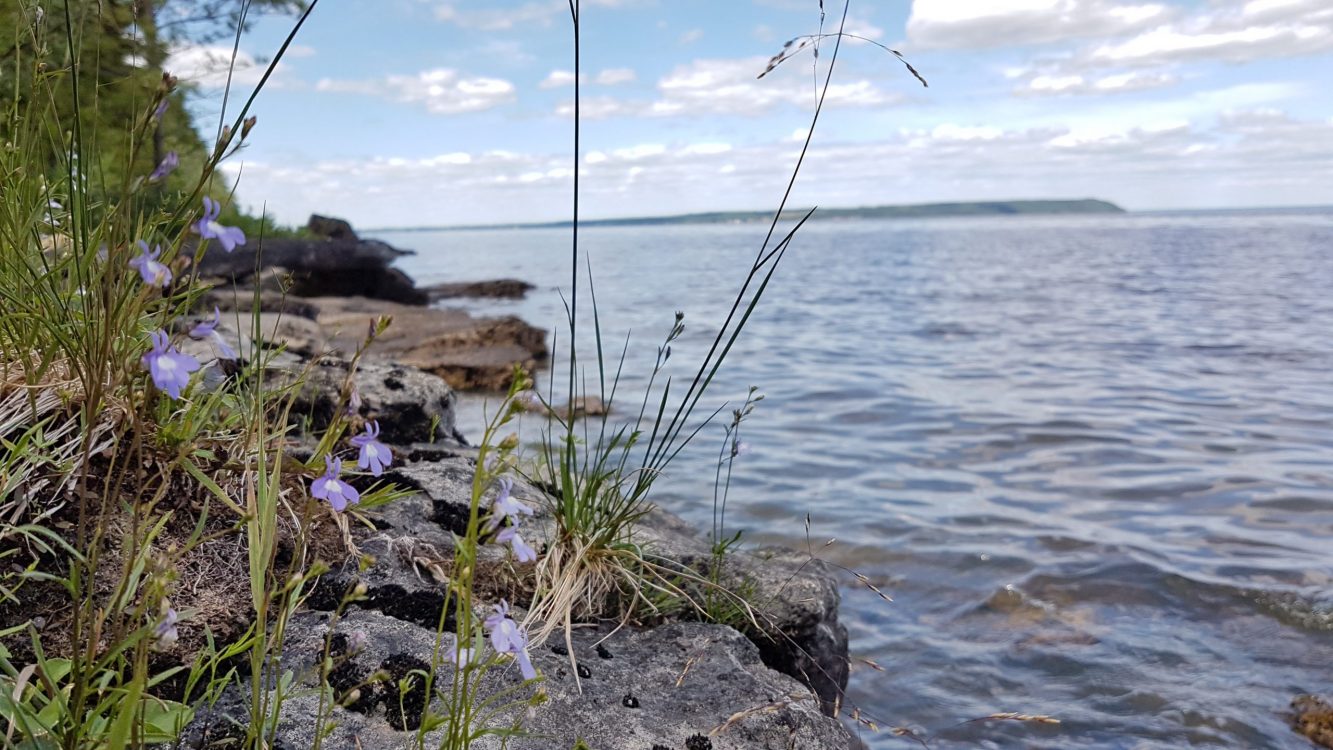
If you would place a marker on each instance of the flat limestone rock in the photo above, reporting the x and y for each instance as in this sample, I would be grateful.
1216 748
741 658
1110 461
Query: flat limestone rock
469 353
492 289
684 685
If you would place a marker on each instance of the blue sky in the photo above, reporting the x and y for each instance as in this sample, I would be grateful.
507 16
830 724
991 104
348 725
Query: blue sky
413 112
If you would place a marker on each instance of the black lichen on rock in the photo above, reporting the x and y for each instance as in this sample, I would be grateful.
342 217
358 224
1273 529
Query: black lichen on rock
404 691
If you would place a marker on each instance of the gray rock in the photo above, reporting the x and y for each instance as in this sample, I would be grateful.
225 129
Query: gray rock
412 406
794 599
642 688
795 603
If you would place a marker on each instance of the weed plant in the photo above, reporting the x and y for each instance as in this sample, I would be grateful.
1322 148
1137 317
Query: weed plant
146 444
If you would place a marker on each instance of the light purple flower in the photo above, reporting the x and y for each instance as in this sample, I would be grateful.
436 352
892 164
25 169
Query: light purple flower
161 108
354 403
508 637
166 632
150 270
169 368
207 331
522 552
459 657
209 228
329 487
374 454
168 165
505 506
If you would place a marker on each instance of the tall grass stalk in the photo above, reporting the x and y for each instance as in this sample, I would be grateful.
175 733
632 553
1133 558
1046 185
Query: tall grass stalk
600 482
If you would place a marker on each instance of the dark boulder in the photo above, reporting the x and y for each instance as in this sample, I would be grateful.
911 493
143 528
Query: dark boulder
330 228
338 267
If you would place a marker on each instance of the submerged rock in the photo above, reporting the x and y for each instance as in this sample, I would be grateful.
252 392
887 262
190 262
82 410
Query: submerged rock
1313 717
492 289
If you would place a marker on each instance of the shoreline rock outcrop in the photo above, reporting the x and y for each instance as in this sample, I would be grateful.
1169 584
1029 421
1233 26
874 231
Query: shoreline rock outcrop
318 296
772 677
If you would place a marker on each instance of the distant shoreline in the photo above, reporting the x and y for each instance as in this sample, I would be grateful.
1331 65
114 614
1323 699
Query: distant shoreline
910 211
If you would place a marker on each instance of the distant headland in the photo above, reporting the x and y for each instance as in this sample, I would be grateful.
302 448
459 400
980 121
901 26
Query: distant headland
907 211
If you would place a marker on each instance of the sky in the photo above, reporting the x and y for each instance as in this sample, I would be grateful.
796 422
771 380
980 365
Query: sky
455 112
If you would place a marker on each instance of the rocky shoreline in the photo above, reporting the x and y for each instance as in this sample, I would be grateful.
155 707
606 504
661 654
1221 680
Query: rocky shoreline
775 680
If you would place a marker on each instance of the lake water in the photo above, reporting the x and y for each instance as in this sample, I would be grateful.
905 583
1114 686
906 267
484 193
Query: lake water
1090 458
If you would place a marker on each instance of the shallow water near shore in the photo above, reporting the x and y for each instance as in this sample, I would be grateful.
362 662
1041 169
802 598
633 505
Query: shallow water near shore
1090 458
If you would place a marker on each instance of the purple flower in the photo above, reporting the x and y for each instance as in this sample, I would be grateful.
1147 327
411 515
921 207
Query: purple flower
504 506
329 487
209 228
168 165
170 369
522 552
459 657
354 403
206 331
374 454
161 108
508 637
166 632
150 270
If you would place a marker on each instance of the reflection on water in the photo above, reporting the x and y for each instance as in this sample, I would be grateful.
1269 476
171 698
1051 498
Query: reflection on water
1091 458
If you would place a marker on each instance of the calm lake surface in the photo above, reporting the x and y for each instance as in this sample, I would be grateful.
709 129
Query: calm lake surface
1090 458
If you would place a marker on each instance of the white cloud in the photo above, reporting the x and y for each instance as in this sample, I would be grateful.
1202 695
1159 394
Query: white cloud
730 87
691 36
440 91
616 76
1219 39
1007 23
1244 156
858 26
1116 83
502 19
559 79
207 66
1230 31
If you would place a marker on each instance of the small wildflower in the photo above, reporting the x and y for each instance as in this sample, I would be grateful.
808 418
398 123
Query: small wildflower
329 487
354 403
374 454
247 125
505 506
508 637
207 331
739 448
522 552
166 632
161 108
459 657
169 368
168 165
209 228
356 642
150 270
